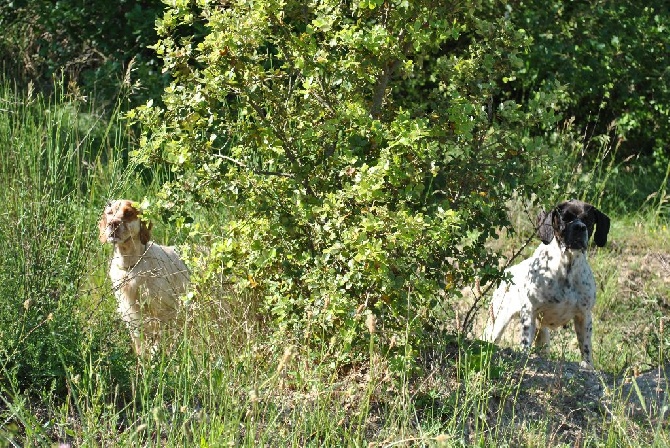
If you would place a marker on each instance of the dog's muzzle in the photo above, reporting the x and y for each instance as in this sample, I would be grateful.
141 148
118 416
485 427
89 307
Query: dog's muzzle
117 232
576 235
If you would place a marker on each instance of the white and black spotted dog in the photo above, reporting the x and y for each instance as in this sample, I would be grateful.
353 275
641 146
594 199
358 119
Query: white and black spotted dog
556 284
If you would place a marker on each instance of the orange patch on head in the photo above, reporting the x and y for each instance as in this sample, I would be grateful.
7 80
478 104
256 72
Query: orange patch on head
145 232
122 211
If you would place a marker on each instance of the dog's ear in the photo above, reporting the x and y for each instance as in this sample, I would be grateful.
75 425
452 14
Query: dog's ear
145 232
602 227
545 226
102 226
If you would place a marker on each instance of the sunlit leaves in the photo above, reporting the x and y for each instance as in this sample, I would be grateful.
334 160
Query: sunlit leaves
361 151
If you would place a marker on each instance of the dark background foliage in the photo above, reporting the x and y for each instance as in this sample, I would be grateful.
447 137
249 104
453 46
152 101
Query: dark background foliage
614 58
91 42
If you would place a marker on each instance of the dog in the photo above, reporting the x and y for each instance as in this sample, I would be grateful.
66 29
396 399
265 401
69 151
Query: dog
556 284
148 279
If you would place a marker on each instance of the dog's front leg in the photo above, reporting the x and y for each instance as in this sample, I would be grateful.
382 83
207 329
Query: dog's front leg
528 327
129 309
542 341
584 330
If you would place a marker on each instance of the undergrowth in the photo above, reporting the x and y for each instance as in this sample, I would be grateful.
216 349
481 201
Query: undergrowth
67 374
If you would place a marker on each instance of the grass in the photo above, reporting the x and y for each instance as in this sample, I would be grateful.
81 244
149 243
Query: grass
67 374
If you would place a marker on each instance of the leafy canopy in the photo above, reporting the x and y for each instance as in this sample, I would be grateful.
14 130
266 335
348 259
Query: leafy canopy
359 154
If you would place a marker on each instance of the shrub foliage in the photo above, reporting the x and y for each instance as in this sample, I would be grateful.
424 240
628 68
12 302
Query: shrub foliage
358 151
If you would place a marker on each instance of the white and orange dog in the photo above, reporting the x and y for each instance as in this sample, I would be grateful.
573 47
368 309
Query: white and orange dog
148 279
556 284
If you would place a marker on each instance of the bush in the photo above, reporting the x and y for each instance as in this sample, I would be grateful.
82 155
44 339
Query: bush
359 154
613 56
93 43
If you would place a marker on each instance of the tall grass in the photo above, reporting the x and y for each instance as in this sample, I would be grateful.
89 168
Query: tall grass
67 373
42 238
51 155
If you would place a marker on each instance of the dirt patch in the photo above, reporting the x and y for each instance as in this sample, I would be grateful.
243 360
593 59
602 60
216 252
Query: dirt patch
645 394
570 402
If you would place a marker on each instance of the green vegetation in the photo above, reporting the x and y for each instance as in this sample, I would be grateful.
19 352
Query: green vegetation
336 175
345 194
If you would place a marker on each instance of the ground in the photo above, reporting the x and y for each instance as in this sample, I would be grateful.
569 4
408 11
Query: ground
574 403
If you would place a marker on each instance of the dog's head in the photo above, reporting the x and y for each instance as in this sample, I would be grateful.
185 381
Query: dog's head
572 223
121 222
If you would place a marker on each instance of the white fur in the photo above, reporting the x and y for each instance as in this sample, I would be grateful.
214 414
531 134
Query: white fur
548 290
147 278
555 285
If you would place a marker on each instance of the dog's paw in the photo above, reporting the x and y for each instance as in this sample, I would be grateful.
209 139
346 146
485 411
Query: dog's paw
586 365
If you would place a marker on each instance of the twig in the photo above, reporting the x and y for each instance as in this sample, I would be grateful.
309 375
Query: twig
261 172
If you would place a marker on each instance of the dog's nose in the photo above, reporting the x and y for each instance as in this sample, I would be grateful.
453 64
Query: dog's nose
580 226
114 224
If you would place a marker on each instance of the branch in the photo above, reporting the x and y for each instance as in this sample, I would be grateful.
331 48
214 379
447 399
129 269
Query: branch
380 90
261 172
478 303
389 70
